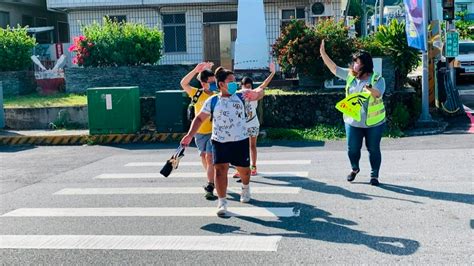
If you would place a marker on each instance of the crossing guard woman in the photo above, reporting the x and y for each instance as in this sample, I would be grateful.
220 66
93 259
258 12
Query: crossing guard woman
362 78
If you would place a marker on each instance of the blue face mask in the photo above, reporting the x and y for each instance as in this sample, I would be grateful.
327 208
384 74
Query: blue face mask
213 87
232 87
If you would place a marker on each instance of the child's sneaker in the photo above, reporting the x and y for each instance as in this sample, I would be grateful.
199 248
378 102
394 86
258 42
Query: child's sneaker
222 207
253 170
245 194
209 191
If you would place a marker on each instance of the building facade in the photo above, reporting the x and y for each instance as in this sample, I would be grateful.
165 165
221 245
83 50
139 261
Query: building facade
194 30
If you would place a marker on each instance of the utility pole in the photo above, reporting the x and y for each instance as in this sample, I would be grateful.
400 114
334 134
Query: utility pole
364 19
381 12
425 108
375 16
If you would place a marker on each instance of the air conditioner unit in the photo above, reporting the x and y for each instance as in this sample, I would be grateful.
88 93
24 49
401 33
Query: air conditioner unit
321 10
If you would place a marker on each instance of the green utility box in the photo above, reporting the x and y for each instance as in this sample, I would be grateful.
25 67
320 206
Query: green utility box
113 110
171 108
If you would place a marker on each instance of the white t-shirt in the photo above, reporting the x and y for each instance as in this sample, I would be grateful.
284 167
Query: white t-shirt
252 118
229 121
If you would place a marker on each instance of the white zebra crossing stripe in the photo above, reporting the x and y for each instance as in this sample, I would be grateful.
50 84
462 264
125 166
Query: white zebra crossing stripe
171 190
267 162
117 242
151 212
192 174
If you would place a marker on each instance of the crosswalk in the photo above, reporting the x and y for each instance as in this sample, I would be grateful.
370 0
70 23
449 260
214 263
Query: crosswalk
106 188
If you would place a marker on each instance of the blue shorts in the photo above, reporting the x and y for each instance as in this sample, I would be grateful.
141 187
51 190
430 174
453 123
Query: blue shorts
203 143
236 153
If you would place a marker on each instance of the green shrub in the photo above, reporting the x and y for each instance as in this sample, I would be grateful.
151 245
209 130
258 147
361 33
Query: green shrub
16 48
117 44
371 45
298 46
463 26
393 39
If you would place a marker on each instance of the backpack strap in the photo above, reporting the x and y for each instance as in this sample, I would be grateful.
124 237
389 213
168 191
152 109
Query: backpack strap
214 100
196 96
241 97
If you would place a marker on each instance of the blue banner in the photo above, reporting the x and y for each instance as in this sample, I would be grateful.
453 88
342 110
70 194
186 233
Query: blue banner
415 27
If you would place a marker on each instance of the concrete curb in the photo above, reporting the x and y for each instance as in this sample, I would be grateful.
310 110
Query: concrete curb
90 139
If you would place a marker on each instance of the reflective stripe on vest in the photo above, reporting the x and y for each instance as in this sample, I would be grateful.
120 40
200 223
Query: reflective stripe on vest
376 108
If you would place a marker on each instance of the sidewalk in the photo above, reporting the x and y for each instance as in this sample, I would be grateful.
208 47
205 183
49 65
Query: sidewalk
80 137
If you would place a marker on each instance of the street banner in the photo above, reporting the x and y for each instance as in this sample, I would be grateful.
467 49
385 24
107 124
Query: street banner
415 27
352 104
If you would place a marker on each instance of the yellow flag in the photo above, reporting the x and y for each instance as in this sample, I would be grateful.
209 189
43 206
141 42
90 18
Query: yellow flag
352 104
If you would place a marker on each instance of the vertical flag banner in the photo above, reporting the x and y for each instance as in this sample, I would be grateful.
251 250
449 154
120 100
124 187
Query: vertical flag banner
415 24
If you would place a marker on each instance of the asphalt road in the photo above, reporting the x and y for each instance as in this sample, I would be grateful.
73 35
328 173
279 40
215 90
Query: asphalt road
422 212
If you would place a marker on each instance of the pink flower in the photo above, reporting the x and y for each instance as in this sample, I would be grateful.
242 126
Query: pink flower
72 48
74 60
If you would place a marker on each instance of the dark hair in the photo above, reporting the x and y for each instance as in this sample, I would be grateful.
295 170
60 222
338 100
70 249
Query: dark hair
222 74
205 75
366 61
247 80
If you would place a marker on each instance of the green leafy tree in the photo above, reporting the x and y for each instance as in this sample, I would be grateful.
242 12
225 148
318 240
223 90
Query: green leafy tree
16 48
298 46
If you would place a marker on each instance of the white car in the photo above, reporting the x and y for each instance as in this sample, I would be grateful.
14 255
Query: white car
466 58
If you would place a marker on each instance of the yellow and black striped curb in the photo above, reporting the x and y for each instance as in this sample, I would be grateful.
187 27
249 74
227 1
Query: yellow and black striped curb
91 139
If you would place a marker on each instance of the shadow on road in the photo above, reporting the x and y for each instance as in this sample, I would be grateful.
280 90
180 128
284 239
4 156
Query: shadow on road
436 195
317 224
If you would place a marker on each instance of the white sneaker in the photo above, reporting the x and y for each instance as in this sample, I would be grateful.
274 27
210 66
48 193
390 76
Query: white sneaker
222 207
245 195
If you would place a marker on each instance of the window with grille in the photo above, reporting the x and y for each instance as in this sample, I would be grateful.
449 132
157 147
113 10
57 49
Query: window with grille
63 32
4 19
27 21
174 28
118 18
289 14
43 37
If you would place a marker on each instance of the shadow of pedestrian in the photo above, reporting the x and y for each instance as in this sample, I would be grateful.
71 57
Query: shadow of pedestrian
436 195
321 187
316 224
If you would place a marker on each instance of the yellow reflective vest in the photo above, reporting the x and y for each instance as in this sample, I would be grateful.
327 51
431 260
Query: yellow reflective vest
376 108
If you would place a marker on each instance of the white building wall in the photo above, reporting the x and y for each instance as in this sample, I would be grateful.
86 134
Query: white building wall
194 22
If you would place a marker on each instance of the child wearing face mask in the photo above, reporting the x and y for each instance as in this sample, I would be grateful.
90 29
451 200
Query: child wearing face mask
203 136
253 125
230 142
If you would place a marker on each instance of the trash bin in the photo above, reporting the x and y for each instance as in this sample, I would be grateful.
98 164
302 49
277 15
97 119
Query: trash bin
171 111
2 112
113 110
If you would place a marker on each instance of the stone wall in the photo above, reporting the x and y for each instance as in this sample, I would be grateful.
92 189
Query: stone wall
310 109
282 111
148 78
18 82
41 118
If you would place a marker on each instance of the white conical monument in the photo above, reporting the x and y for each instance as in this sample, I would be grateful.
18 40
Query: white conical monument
251 46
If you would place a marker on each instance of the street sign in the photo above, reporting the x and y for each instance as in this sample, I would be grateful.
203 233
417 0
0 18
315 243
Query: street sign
452 44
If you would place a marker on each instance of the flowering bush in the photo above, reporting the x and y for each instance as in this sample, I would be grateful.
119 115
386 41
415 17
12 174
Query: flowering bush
82 47
16 48
298 46
117 44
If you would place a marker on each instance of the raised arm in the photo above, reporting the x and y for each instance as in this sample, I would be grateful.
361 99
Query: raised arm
270 77
187 79
327 60
258 93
